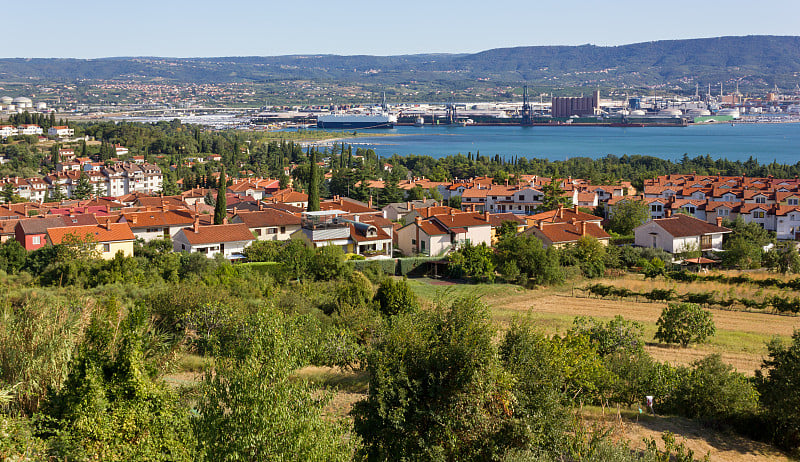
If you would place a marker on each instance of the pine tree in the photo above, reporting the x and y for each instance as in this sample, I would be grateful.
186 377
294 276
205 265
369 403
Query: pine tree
313 183
221 206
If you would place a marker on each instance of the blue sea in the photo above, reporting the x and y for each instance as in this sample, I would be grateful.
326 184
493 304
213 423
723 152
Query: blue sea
764 142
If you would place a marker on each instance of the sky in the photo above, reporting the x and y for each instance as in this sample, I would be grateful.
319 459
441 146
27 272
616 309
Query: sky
200 28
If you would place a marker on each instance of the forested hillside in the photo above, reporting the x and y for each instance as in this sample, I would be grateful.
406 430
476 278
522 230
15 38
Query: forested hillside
757 61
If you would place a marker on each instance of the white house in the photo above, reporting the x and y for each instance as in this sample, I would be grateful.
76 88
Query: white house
149 225
680 233
29 129
229 240
440 233
60 131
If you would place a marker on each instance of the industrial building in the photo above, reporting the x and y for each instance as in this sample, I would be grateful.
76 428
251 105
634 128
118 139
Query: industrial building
576 106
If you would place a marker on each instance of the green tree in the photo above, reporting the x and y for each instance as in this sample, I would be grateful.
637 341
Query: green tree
777 382
252 408
472 262
590 254
313 182
396 297
220 204
528 255
12 256
391 189
8 193
415 194
684 323
111 407
436 391
83 189
553 196
627 215
615 335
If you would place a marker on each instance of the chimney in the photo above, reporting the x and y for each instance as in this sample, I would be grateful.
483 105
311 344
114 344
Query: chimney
486 215
506 182
472 207
225 220
134 219
453 211
560 211
235 209
260 205
583 228
667 212
575 208
719 221
196 224
369 204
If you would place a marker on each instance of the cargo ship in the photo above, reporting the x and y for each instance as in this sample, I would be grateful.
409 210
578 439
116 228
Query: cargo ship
352 121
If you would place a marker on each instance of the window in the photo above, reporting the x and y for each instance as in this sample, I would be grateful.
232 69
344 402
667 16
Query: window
656 207
422 245
758 214
283 229
793 201
183 246
258 231
106 247
723 212
36 240
272 230
761 200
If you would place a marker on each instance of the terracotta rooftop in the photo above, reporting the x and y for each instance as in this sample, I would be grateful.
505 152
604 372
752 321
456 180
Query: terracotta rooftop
267 217
681 225
113 232
214 234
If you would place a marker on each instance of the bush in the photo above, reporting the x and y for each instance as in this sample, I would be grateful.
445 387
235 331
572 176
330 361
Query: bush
615 335
395 297
712 390
684 323
436 391
777 381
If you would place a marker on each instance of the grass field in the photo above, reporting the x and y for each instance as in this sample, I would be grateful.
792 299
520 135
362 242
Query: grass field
741 335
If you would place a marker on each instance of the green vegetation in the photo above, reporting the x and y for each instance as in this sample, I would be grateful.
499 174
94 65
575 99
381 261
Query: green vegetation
684 323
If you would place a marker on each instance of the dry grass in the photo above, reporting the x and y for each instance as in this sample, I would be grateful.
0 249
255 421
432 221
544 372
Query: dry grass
637 283
631 426
741 335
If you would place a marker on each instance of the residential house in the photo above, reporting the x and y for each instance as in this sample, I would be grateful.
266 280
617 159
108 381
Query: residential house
680 233
397 210
60 131
157 224
111 238
269 224
32 232
324 228
442 233
228 240
560 234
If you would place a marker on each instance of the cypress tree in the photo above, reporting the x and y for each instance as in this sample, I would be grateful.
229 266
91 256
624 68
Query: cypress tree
220 208
313 183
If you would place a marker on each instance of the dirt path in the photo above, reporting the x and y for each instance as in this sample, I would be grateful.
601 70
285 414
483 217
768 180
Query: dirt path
720 446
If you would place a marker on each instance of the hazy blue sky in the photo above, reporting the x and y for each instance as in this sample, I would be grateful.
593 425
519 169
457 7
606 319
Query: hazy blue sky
91 28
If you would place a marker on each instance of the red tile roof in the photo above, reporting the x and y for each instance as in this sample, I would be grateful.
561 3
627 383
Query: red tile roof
215 234
113 232
681 225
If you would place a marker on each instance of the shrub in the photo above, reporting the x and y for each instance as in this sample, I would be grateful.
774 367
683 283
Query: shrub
712 390
684 323
615 335
780 396
395 297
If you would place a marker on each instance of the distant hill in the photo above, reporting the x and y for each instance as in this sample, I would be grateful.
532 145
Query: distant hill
757 61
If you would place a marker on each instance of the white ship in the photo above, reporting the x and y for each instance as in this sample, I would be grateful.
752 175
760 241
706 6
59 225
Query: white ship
345 121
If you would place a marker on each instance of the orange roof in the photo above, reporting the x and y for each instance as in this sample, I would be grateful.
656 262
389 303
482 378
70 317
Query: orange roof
568 232
158 218
214 234
113 232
